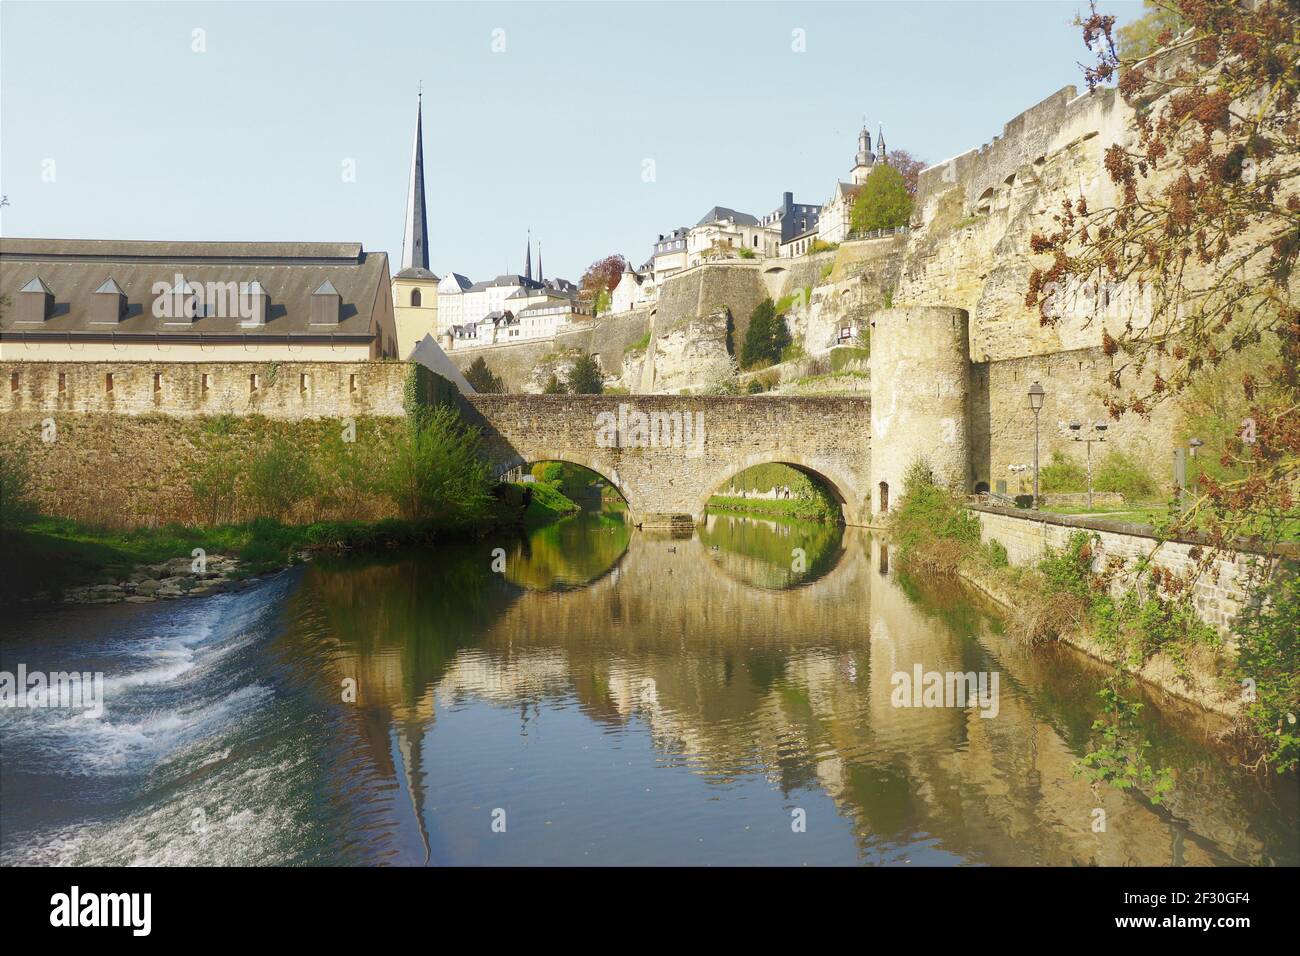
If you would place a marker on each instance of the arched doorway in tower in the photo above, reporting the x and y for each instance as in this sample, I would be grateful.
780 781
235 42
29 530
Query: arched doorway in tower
884 497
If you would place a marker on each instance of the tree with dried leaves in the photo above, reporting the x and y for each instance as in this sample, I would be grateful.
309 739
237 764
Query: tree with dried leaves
1201 240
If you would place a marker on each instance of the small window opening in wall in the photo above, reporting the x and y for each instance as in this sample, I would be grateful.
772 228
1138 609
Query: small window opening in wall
157 382
108 381
13 382
884 497
63 382
205 382
352 383
302 383
415 297
252 383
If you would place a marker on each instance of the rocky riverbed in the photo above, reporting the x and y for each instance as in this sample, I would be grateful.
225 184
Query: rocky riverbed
178 578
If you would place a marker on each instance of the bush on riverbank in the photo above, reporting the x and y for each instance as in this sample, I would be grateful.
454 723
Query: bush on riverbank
264 493
1151 616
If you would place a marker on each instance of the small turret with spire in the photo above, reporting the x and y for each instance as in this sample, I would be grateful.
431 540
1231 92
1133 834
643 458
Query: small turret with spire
865 158
881 155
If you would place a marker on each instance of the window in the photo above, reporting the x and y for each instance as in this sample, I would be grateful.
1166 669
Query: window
63 383
157 382
13 382
352 383
302 383
252 383
415 297
108 381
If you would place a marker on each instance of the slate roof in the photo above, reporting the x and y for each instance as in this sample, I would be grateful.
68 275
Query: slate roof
722 212
290 272
458 283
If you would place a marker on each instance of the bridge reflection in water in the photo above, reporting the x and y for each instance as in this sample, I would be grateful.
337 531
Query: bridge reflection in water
629 697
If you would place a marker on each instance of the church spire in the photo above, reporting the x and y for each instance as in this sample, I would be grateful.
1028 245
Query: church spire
539 262
415 237
880 142
528 256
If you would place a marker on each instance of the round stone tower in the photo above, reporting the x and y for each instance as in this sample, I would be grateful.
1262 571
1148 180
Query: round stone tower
920 399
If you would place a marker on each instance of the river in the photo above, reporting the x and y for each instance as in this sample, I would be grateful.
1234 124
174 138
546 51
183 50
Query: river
611 696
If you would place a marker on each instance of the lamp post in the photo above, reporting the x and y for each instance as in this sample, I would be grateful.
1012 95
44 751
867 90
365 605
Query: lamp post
1100 429
1036 396
1194 444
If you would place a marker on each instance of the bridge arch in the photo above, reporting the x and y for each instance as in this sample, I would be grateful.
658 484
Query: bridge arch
530 456
840 485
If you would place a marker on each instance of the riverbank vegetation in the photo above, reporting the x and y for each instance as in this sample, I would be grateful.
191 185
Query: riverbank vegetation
1134 621
265 491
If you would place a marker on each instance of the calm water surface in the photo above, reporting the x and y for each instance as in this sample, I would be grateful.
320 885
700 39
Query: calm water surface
614 697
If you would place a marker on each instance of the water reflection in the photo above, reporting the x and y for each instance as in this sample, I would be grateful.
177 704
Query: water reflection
633 698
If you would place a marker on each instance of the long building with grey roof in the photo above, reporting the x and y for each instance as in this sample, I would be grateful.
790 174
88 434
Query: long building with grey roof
91 299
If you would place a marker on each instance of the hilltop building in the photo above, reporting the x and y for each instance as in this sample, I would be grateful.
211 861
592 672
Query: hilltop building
837 214
723 232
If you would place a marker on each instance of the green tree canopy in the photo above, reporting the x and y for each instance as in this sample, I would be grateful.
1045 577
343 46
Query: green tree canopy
585 377
766 337
554 386
883 201
480 376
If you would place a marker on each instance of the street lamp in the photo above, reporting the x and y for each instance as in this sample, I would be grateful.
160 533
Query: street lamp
1100 429
1194 444
1036 396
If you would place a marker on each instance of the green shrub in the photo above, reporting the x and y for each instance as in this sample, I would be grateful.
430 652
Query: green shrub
584 376
216 486
995 552
436 475
1268 636
1062 474
933 529
279 477
843 355
15 485
1069 570
1120 473
766 336
481 378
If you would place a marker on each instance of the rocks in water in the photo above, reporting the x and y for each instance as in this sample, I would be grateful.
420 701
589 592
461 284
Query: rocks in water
165 580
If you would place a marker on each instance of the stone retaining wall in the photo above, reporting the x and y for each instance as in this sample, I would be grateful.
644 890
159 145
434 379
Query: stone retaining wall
287 390
1219 594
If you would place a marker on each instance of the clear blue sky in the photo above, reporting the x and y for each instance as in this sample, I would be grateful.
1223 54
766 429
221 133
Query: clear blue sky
246 141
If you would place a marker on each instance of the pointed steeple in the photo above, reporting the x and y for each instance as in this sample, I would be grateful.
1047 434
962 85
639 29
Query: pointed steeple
880 142
528 256
539 262
415 238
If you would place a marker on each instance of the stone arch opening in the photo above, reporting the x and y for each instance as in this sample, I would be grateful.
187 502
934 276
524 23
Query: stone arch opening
837 491
572 480
884 497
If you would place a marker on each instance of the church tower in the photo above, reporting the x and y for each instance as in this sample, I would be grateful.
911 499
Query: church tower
865 158
415 288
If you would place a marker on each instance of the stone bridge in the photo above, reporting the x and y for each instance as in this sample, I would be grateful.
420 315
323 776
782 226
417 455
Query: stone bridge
666 454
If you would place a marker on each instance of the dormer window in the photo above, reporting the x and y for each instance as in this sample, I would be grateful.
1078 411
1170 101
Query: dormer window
255 305
35 301
108 304
326 305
